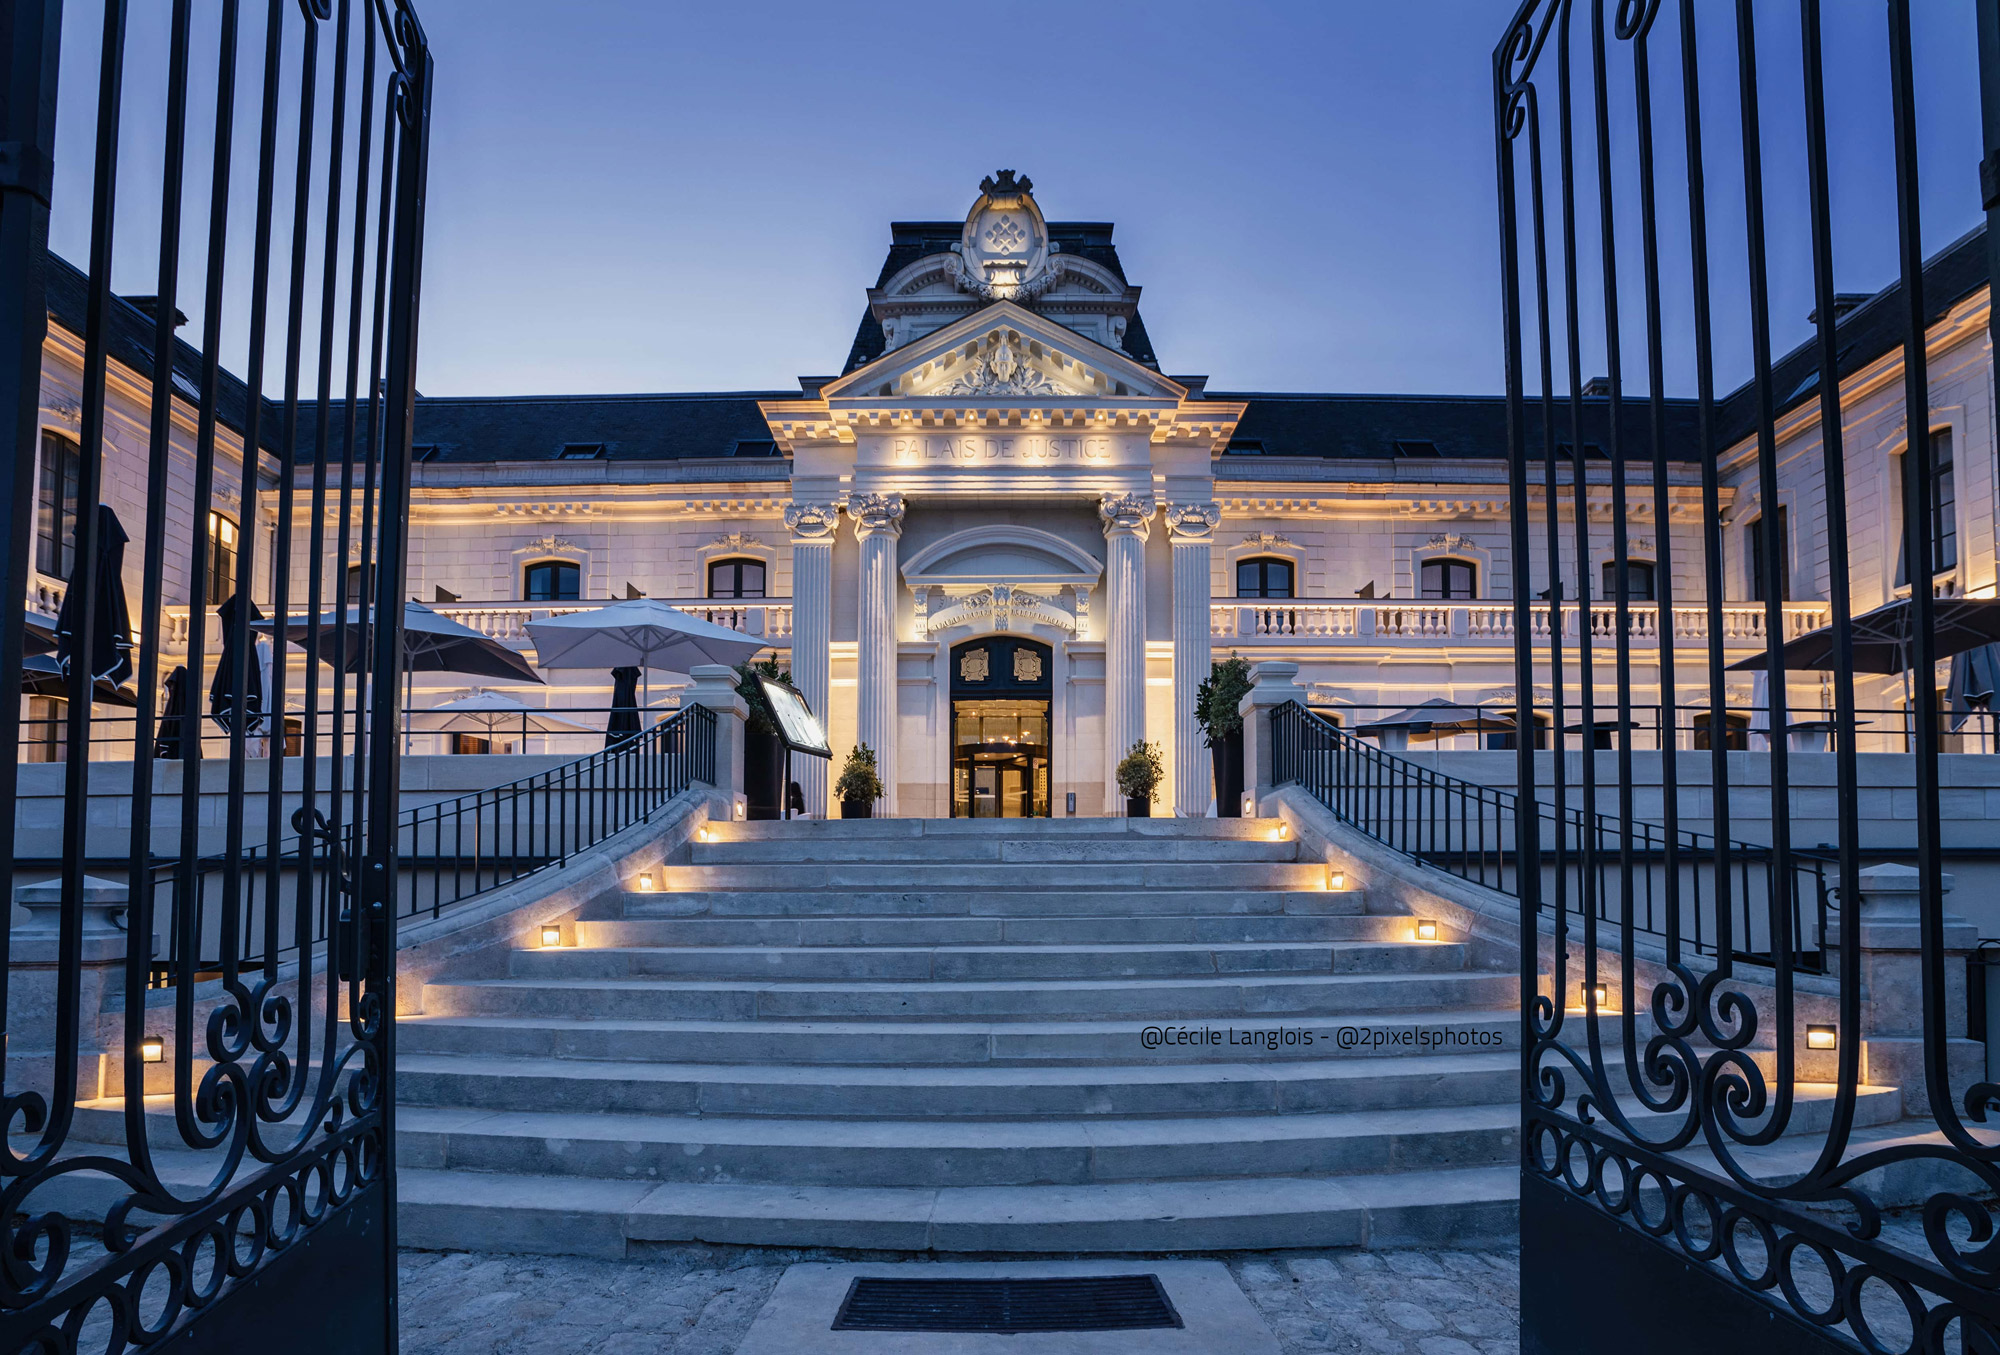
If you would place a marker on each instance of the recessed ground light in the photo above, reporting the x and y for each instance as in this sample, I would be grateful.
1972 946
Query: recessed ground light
551 934
152 1049
1336 879
1600 996
646 881
1822 1037
1427 929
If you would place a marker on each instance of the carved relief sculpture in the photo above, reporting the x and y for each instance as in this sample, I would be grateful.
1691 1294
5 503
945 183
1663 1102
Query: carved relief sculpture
812 521
1193 521
1127 513
874 513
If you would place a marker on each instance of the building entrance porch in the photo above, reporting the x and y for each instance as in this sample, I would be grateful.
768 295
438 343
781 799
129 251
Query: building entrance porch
1001 689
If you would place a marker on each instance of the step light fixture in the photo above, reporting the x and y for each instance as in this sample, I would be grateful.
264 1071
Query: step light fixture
1427 929
645 882
1336 879
1600 997
152 1049
1822 1037
551 934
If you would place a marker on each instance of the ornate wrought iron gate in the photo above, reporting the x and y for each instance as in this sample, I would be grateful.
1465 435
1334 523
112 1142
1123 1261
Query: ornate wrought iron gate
261 166
1683 1187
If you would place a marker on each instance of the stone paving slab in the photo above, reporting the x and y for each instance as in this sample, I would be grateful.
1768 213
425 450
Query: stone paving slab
702 1300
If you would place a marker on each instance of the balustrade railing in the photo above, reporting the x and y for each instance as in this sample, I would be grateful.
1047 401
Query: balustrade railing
1490 622
1603 863
448 851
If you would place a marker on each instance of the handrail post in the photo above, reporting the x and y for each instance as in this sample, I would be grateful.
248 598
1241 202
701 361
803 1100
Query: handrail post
1274 684
715 688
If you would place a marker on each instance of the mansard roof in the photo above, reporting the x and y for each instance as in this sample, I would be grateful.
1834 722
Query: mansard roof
1388 427
483 428
913 240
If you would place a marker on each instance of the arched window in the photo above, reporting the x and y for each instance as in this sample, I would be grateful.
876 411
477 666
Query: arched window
1264 576
55 505
1638 580
552 581
355 584
221 558
1735 730
736 579
1448 579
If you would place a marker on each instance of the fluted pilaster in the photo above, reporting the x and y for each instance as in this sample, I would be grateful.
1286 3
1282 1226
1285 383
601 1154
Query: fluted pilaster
812 526
1128 521
1192 527
878 523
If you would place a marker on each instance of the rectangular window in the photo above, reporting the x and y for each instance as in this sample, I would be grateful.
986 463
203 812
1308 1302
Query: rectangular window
1448 580
552 581
55 506
1944 505
1756 561
1264 577
221 558
1638 580
736 579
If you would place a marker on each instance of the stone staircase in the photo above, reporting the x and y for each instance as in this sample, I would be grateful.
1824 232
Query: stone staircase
934 1035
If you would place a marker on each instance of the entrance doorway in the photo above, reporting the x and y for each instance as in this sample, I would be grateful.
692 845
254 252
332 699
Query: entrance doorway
1000 693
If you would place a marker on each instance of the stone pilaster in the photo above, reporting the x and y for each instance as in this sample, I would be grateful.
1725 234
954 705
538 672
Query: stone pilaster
1128 521
878 523
1192 527
812 526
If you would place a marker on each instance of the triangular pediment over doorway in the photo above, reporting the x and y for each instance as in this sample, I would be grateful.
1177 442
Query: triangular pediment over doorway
1004 352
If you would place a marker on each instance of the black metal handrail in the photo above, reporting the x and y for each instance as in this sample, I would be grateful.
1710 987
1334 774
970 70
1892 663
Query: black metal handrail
1468 830
448 851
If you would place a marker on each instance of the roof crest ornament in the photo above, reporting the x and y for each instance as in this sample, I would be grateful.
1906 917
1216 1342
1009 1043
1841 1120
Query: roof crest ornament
1005 253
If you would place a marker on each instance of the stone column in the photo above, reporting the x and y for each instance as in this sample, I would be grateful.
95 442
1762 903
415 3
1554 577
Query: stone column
812 526
1128 521
878 522
1192 526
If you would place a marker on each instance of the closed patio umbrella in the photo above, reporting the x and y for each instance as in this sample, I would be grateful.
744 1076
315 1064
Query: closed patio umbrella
111 637
1975 677
222 689
173 716
624 722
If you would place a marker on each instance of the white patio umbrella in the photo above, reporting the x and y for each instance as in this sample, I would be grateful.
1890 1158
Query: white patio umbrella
643 633
491 713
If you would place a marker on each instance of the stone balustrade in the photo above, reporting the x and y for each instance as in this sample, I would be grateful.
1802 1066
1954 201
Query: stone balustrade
1490 622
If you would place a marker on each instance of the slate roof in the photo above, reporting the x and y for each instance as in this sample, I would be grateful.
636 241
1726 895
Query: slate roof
629 427
1370 427
913 240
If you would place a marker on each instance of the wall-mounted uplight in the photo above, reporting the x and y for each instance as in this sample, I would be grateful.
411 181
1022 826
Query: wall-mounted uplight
1822 1037
1336 879
742 810
1600 996
1427 929
701 835
551 934
645 881
1281 832
152 1049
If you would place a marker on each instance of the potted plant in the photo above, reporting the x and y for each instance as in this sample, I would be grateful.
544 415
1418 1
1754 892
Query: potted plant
763 749
1215 710
860 784
1139 774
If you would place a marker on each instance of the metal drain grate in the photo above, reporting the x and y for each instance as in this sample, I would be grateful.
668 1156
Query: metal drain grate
1066 1303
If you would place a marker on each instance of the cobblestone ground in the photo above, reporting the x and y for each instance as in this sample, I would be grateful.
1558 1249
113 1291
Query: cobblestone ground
701 1300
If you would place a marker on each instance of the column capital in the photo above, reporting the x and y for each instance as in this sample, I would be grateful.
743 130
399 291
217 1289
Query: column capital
811 522
1127 514
876 514
1193 523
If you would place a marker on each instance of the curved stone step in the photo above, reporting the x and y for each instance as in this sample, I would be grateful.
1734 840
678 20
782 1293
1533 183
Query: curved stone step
1152 873
1270 998
928 1043
939 1153
1461 1208
986 963
870 930
952 901
1328 1084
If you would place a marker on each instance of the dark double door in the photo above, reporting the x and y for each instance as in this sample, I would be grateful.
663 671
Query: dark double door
1000 703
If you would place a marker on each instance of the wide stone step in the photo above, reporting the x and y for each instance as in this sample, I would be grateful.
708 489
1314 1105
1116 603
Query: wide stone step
992 931
939 1153
987 963
988 1093
972 876
987 850
946 1043
566 1216
823 830
956 901
1295 998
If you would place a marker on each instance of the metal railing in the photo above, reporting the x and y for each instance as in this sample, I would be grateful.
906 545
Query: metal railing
448 852
507 622
1588 858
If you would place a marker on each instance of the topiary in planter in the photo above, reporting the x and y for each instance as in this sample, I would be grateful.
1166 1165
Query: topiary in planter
1140 772
860 784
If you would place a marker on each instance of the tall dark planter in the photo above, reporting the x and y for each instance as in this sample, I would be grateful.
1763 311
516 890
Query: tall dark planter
764 775
1228 755
1136 808
857 809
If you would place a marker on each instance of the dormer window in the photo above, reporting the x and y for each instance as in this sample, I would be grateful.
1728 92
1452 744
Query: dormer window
1416 447
582 451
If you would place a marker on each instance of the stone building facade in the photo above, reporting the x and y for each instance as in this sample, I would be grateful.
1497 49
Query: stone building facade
1001 546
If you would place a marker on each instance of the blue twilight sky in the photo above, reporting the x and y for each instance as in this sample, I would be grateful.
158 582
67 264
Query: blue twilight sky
632 195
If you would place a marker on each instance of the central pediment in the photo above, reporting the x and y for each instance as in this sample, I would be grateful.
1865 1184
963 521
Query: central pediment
1004 352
